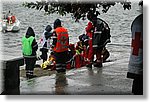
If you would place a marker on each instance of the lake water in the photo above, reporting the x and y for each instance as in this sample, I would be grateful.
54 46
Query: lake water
118 19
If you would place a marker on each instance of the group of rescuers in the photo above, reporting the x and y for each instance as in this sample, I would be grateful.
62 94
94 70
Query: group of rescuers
96 37
98 34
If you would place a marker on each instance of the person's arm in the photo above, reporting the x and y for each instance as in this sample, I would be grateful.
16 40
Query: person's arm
34 45
89 27
48 35
54 39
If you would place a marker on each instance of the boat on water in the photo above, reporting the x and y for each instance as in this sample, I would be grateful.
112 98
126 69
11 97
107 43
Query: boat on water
9 24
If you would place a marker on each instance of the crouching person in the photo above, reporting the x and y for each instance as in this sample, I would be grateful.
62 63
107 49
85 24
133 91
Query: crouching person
81 51
29 48
60 46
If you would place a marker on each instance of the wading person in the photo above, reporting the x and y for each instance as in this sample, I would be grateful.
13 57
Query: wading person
60 46
46 42
99 34
29 48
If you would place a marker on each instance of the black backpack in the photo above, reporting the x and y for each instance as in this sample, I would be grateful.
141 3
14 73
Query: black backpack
101 33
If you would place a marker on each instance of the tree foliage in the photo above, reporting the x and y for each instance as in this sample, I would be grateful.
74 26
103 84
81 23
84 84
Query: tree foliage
78 9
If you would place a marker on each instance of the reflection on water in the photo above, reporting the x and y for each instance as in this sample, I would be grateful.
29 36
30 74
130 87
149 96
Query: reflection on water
54 84
60 84
95 76
80 81
95 71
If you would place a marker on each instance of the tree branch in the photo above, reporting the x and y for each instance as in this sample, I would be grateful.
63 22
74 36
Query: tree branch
78 8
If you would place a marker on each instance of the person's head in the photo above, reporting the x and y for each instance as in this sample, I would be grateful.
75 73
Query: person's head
84 39
141 3
48 28
30 32
141 6
52 53
91 15
57 23
81 37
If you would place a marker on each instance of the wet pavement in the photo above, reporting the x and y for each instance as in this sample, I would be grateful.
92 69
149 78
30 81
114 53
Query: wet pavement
108 80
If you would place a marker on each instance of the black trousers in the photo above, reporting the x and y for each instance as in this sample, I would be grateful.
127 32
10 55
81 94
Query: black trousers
44 54
137 86
30 64
61 57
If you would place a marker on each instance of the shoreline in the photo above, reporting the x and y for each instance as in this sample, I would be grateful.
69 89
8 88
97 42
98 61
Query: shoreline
39 72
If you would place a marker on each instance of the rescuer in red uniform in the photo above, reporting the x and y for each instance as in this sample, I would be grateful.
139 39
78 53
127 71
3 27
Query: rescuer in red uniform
60 46
99 35
89 32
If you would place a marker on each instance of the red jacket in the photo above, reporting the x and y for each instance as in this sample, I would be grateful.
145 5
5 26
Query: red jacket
62 40
89 32
89 29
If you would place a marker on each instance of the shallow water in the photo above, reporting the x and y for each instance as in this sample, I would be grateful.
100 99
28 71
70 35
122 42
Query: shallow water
109 80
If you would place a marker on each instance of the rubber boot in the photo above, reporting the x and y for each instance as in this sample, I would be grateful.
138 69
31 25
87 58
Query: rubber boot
89 65
61 68
98 64
29 74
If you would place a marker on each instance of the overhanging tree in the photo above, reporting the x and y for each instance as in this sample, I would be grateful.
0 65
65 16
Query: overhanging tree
78 8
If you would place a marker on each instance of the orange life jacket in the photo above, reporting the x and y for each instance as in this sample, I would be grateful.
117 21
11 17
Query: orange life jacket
62 40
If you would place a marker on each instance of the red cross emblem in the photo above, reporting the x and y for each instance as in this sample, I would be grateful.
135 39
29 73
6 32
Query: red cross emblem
63 40
137 43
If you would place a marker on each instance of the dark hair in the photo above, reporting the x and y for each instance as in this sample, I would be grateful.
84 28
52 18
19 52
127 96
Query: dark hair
57 23
80 37
83 37
48 28
91 15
